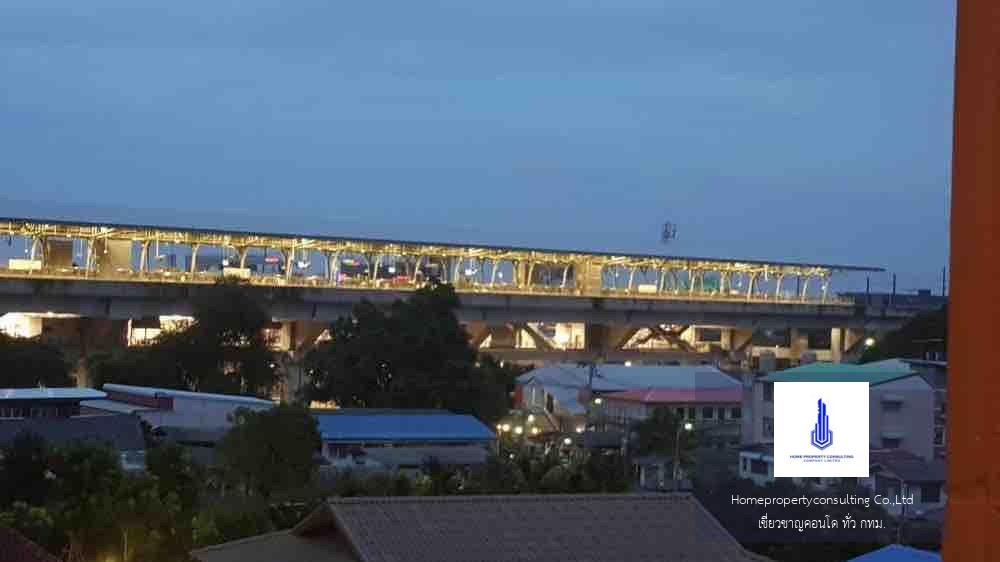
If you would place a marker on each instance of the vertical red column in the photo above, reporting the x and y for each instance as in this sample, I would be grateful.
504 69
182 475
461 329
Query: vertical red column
973 520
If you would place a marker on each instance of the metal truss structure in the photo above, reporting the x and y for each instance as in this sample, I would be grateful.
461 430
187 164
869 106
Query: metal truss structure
117 252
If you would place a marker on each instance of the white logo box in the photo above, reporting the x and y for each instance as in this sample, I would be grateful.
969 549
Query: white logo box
796 411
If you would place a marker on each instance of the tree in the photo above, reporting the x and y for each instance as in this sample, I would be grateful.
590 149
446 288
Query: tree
657 435
176 473
144 514
270 450
414 355
223 350
31 362
23 470
86 477
922 333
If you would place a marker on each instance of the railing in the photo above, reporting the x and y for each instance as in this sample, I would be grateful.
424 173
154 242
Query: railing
361 282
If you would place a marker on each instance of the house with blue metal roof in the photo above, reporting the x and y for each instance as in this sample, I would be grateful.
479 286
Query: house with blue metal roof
401 439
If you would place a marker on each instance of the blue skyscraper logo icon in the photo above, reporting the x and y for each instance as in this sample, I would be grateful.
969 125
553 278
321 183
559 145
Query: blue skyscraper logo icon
822 437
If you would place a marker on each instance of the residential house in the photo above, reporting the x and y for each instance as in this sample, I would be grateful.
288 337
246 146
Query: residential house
562 395
399 439
495 529
164 407
901 404
900 473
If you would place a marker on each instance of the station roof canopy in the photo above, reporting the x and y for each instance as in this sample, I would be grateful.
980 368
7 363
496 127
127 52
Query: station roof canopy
50 227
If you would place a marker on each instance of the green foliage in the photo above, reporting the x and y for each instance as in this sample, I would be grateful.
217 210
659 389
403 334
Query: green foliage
497 476
23 470
657 435
176 473
30 362
86 478
270 450
144 515
230 521
414 355
925 332
36 523
223 350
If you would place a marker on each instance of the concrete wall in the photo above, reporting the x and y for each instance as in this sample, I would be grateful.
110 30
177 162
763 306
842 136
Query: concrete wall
912 419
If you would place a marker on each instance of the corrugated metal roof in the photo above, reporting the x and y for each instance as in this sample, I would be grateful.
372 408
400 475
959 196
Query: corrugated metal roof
898 553
122 432
60 393
872 373
610 378
673 395
428 428
116 407
169 392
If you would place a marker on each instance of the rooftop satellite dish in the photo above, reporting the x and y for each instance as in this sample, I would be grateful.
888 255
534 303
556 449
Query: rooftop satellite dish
669 232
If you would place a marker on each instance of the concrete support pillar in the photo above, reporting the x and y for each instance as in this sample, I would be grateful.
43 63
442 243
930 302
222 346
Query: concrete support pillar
194 257
798 343
836 345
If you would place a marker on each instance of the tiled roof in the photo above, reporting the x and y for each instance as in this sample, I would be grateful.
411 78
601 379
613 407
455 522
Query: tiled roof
526 528
673 396
15 547
122 432
426 428
277 547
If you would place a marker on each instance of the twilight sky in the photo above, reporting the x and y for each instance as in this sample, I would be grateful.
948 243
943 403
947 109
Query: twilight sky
795 129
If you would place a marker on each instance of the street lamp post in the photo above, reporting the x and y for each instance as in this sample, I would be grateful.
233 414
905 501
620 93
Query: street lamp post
686 426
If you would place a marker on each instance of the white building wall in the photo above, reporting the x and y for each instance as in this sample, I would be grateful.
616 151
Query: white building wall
195 413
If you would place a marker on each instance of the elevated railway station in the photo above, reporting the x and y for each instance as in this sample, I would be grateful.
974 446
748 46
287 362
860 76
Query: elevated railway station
125 283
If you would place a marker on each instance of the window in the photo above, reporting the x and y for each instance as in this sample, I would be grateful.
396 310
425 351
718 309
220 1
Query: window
758 466
892 406
769 392
746 464
679 413
691 413
550 403
707 413
735 413
930 493
891 442
768 427
721 414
